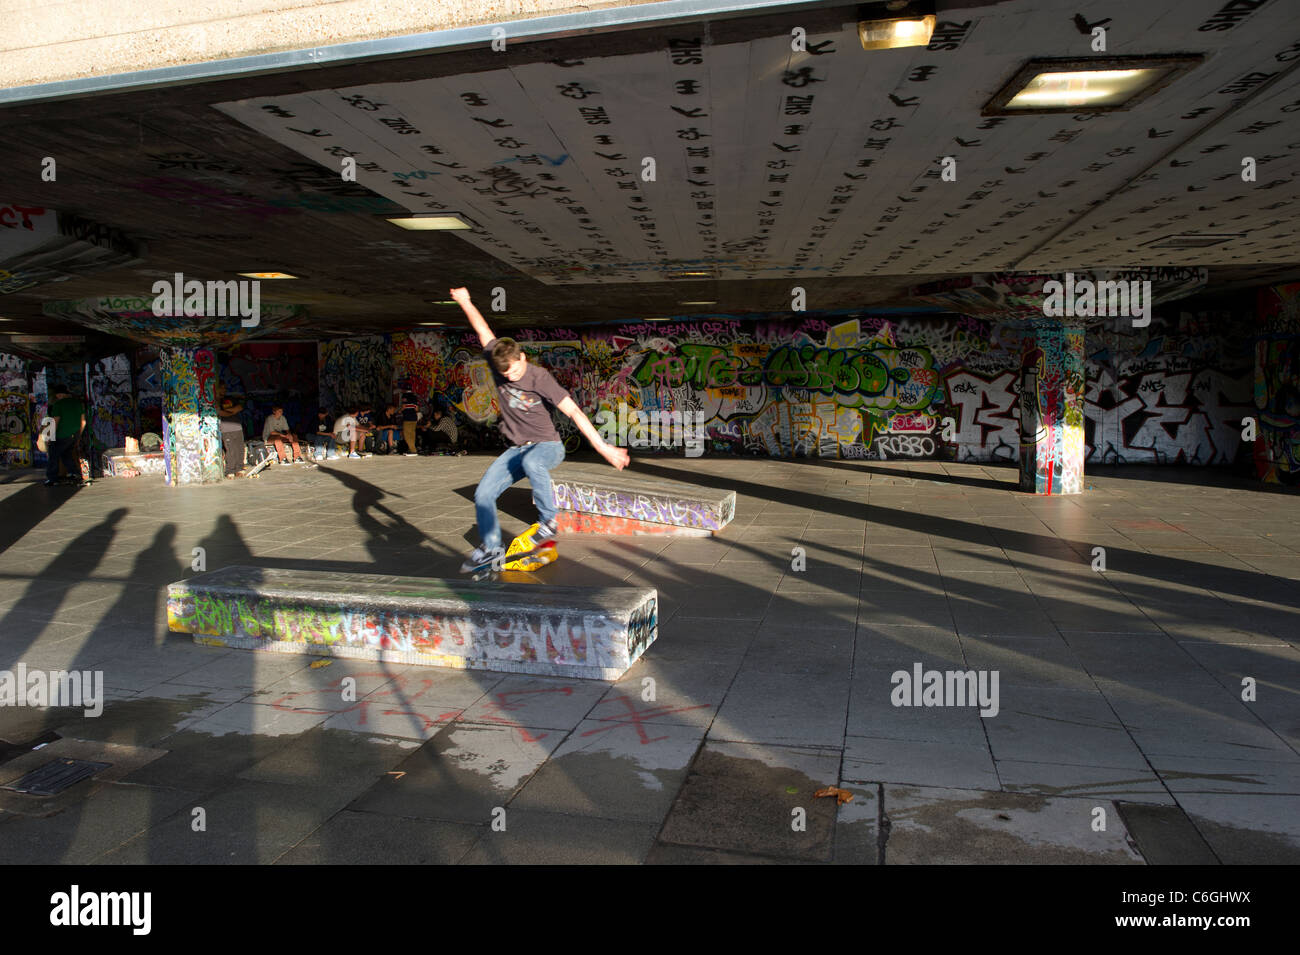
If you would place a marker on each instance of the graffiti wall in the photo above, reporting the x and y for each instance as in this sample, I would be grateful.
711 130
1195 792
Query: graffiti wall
191 431
1051 411
356 371
1173 393
148 390
16 446
111 413
878 388
269 373
1276 392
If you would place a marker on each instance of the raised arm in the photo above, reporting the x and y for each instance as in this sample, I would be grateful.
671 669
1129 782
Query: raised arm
476 319
618 457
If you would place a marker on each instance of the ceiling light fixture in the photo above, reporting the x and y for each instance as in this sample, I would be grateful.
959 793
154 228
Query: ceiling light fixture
268 275
697 303
1189 240
428 222
1094 85
895 24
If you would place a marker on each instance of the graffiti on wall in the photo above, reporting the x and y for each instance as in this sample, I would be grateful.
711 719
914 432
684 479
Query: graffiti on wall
266 374
112 411
356 371
16 445
877 388
1276 393
148 391
191 430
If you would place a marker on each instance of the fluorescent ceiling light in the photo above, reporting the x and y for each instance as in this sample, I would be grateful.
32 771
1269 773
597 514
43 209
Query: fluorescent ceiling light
893 34
697 303
268 275
691 274
445 301
1097 85
425 223
432 323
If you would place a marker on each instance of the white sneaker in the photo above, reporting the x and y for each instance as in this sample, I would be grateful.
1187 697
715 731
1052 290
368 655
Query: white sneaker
353 454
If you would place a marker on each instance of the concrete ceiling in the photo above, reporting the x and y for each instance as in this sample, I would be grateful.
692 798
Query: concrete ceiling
775 168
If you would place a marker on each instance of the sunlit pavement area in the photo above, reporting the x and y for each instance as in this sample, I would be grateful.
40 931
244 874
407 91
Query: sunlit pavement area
1121 736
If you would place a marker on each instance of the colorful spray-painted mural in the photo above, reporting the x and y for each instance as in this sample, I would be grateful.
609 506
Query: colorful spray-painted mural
269 373
191 431
880 388
111 413
1051 411
16 445
148 390
1277 386
356 371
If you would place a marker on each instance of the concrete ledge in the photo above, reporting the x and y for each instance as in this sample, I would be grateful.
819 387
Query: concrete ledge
585 632
644 500
118 462
576 522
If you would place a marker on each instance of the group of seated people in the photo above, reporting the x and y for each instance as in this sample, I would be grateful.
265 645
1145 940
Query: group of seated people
398 429
357 432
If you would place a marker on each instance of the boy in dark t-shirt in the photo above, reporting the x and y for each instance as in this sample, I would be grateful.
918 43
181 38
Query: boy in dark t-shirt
525 394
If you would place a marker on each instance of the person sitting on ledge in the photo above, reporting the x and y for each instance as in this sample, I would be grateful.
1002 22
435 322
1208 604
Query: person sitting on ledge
346 432
442 432
276 431
324 435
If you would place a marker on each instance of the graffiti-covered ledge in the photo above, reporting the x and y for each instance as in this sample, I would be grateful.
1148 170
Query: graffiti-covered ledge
585 632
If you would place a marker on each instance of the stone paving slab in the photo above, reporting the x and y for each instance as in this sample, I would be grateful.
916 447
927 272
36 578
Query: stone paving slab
741 797
360 838
929 825
461 774
548 838
614 770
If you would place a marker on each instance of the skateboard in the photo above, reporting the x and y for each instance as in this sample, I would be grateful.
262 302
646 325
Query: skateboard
260 466
523 554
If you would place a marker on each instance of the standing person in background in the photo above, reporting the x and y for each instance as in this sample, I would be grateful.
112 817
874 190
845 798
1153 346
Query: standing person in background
410 417
69 416
525 393
232 435
276 431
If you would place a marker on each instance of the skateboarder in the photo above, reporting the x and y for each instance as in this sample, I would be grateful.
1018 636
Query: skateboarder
525 395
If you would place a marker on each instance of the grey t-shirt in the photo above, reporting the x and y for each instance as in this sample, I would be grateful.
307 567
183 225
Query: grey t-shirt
526 404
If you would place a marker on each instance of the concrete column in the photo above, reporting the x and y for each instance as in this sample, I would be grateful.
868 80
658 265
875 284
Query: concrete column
191 431
1051 410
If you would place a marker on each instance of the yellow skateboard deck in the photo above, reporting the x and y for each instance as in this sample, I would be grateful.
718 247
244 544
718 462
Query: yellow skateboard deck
527 554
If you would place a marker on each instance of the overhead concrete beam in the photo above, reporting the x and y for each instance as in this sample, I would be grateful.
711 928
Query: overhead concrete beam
108 40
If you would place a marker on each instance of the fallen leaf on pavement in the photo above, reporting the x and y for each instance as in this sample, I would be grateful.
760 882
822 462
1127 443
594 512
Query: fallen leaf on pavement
841 795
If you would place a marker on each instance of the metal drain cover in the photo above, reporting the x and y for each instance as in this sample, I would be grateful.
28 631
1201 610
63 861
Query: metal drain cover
56 776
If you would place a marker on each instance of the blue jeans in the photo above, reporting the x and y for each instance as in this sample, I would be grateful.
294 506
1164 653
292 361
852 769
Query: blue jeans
532 461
